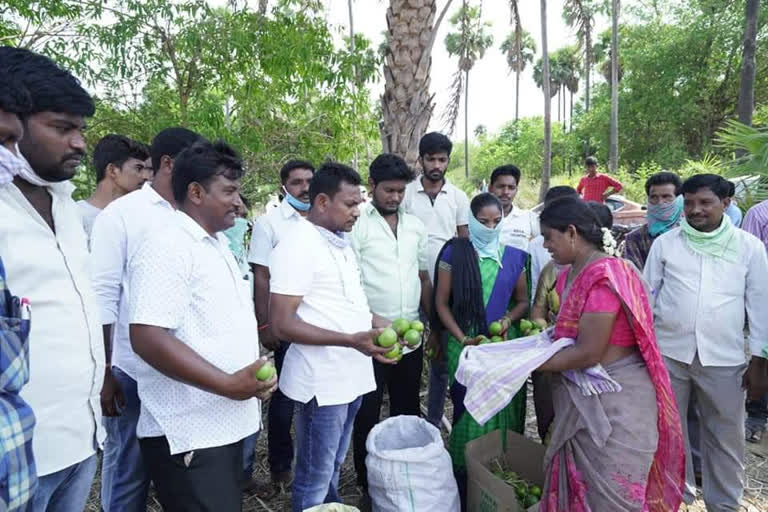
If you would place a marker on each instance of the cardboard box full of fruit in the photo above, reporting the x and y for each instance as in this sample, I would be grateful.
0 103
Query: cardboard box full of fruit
487 458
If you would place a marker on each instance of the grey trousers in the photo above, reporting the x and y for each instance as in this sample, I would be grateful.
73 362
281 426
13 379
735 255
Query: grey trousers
720 400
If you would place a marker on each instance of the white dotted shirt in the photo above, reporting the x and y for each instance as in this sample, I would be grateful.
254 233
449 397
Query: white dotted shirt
188 282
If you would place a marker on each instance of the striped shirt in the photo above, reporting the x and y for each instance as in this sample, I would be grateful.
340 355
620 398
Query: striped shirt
756 222
18 478
593 188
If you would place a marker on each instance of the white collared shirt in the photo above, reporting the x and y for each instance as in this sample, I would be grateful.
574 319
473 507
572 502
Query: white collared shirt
66 349
268 229
699 301
390 264
117 234
450 210
89 214
327 279
188 282
539 259
518 228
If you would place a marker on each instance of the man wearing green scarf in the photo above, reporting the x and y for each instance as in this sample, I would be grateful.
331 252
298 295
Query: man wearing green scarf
707 278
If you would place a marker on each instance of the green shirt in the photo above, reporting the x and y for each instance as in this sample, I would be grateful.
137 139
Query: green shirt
390 265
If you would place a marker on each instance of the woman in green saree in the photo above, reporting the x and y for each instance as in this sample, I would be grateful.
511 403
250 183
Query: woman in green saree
477 282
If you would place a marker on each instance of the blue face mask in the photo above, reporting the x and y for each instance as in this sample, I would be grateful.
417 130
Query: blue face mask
236 236
298 205
484 239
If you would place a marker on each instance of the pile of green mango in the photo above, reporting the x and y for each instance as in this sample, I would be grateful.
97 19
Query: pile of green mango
527 493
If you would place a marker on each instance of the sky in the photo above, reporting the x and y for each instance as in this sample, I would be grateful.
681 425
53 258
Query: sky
491 86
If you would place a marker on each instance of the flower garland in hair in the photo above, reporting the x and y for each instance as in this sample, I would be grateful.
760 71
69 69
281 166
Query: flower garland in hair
609 243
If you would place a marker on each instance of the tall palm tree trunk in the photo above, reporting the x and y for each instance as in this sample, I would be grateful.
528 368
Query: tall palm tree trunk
466 124
747 87
407 104
565 103
517 93
546 168
614 156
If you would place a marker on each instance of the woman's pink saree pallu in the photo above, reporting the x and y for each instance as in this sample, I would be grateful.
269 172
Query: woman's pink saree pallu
598 449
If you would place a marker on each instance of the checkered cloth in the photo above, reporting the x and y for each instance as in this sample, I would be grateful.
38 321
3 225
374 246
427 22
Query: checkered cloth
494 373
18 476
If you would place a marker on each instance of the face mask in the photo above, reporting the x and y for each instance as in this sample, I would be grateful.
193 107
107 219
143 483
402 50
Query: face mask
298 205
484 239
16 165
664 216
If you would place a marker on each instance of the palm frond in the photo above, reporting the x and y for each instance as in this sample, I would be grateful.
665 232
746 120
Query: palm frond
451 113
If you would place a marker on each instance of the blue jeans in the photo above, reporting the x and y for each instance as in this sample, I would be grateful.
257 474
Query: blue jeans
249 455
438 383
124 481
280 419
322 440
66 490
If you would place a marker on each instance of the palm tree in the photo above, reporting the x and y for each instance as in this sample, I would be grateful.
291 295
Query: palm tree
570 61
520 48
614 154
747 87
469 44
581 14
407 104
546 167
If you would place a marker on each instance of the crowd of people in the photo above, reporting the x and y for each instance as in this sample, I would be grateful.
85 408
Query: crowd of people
134 322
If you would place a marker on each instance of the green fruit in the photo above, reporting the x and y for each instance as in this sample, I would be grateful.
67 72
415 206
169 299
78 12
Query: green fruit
483 340
541 323
417 325
266 371
535 491
526 325
412 337
534 332
520 491
496 339
494 329
394 353
530 500
401 325
387 338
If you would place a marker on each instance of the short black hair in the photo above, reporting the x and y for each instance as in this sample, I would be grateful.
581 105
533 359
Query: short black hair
245 201
664 178
170 142
558 192
433 143
290 165
201 163
40 85
482 200
14 97
717 184
329 177
574 211
731 189
389 167
590 160
116 149
603 213
506 170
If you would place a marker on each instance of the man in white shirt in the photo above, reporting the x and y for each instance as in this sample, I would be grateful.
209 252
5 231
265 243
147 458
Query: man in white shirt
192 325
704 276
518 226
444 210
46 258
117 234
318 302
295 176
119 164
391 249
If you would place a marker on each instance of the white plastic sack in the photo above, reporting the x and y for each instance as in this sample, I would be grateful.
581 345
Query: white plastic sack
409 469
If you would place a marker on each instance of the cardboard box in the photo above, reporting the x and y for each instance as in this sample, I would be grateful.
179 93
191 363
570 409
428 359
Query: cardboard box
488 493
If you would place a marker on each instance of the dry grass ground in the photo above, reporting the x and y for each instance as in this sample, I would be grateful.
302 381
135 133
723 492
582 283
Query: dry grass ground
755 499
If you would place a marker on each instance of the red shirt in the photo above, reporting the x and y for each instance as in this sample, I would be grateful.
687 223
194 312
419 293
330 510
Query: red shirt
592 189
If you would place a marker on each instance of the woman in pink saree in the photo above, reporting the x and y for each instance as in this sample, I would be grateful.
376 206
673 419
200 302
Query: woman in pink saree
619 451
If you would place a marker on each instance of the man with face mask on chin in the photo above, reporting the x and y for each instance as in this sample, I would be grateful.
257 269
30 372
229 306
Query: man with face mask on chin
46 258
295 176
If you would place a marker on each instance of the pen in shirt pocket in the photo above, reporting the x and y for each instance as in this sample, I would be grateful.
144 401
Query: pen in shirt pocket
26 309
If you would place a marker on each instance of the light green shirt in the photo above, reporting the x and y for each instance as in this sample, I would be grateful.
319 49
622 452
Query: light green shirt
390 265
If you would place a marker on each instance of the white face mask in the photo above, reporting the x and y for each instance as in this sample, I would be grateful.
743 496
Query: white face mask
16 165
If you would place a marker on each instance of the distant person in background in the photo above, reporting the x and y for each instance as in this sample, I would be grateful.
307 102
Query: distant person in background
120 169
733 212
597 186
296 177
756 222
45 253
539 255
519 226
665 210
444 210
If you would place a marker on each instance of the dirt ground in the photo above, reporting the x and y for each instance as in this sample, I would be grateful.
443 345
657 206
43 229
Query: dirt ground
755 496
